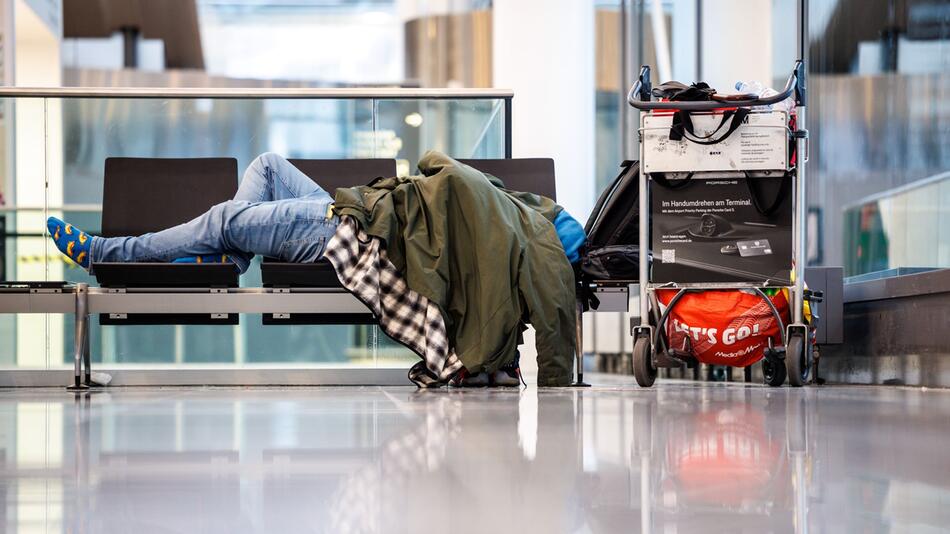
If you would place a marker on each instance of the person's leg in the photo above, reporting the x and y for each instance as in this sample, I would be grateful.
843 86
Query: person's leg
292 230
233 230
271 177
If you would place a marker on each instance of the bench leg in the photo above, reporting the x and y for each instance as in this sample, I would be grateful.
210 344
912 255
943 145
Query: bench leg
87 358
579 351
80 339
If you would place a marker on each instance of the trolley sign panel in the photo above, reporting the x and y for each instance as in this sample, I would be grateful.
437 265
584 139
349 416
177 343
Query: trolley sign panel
760 143
714 230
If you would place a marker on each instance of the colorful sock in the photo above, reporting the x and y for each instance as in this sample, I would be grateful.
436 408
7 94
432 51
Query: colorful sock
71 241
205 258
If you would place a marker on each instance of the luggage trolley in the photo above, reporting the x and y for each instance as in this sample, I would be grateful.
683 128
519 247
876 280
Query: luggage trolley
681 157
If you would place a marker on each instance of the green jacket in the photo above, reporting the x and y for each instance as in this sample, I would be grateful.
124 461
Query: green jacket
488 257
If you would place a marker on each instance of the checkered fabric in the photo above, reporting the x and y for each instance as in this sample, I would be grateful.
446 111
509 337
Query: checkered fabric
363 498
363 268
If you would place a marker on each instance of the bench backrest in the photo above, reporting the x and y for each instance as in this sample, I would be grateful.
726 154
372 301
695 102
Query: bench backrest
143 195
534 175
331 174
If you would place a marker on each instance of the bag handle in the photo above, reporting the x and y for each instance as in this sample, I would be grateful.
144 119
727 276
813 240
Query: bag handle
754 194
683 125
661 180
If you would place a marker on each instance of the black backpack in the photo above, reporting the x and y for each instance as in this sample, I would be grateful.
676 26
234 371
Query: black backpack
613 230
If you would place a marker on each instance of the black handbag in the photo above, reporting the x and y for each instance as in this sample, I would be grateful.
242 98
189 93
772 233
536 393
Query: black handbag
614 262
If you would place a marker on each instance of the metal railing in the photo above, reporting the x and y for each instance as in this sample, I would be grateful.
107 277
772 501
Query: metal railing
360 93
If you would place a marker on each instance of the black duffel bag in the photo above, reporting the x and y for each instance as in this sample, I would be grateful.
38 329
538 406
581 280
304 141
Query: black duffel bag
613 230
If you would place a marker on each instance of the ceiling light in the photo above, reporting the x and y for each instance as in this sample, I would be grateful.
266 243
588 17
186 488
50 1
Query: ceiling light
414 119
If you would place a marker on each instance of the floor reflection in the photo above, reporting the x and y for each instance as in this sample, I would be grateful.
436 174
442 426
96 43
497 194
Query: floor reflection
723 463
678 458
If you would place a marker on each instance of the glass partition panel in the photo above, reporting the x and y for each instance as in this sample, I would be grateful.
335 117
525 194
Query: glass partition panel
908 228
95 129
23 200
54 161
7 322
7 242
406 129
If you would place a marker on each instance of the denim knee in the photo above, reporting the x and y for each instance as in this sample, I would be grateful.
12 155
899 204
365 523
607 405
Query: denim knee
219 215
269 160
259 167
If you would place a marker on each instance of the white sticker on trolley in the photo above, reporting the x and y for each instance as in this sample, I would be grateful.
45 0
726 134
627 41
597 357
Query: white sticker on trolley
760 143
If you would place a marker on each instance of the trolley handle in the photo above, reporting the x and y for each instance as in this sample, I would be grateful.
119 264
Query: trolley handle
640 95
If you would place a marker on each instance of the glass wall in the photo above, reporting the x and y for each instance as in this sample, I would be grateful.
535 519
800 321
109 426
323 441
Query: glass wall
55 161
880 131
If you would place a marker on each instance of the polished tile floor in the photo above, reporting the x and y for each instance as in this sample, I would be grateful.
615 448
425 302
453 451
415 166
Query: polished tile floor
681 457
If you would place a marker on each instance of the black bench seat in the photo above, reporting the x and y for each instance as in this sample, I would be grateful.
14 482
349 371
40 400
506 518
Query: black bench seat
142 195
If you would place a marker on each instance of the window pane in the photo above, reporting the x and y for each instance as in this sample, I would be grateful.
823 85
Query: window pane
880 130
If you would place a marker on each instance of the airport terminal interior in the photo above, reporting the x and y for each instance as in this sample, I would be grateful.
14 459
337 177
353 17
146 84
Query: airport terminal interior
412 298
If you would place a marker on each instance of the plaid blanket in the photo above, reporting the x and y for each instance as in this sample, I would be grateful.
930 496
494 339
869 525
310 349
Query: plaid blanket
361 265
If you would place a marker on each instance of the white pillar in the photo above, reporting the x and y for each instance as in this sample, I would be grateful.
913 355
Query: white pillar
737 42
544 51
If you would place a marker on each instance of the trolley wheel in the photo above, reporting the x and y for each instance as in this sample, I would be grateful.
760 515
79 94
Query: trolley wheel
797 360
643 369
774 371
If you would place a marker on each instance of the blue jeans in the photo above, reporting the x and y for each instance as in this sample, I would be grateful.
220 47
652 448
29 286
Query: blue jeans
278 211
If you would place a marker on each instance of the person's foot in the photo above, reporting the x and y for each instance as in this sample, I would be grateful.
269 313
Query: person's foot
464 379
510 374
508 377
71 241
205 258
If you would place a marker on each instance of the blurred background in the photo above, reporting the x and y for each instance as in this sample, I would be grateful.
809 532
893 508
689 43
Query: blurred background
879 116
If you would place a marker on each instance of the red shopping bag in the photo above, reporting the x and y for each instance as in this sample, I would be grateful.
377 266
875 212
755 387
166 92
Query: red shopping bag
724 327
